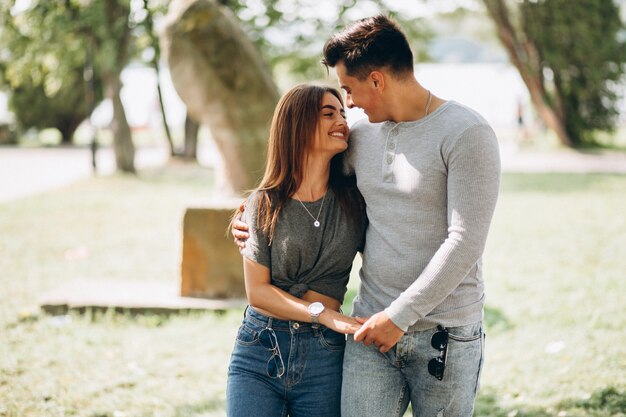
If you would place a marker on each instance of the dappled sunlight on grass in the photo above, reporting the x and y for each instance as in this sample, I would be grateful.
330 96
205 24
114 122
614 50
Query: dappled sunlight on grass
554 270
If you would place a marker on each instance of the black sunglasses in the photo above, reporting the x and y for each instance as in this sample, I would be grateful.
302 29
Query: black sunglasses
439 341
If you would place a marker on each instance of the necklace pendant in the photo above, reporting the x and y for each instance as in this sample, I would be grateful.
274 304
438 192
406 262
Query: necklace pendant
316 223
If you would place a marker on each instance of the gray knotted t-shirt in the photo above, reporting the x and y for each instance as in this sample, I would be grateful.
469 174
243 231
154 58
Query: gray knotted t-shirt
303 256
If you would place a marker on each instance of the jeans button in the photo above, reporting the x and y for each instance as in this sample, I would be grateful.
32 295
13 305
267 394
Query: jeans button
296 326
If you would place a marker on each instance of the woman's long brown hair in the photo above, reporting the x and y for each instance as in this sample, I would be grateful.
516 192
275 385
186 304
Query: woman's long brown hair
291 138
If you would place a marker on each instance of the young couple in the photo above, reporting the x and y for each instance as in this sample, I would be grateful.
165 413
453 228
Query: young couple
427 177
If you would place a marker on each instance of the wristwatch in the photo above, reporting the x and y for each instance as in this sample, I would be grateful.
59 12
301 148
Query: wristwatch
315 309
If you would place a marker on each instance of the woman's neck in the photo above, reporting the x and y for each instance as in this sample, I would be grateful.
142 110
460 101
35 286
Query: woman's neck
315 179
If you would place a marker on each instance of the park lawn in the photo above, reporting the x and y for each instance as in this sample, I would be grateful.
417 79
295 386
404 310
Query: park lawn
555 316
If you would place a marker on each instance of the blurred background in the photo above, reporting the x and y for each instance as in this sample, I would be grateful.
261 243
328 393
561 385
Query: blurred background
116 116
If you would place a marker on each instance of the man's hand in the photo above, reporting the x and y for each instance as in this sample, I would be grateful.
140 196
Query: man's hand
379 330
240 230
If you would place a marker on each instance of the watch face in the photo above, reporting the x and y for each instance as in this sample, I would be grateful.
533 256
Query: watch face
316 308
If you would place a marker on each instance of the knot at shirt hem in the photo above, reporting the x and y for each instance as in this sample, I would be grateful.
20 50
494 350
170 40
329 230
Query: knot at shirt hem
298 290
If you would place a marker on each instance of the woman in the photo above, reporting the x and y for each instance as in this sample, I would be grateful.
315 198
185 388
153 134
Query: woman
306 224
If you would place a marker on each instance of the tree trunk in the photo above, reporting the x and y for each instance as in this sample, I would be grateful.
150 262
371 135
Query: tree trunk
122 138
166 126
118 38
67 130
222 79
191 138
525 58
154 41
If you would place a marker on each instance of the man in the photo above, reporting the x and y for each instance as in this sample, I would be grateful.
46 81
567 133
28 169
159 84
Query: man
429 171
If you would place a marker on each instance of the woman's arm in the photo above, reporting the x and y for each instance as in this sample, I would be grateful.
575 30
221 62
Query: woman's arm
282 305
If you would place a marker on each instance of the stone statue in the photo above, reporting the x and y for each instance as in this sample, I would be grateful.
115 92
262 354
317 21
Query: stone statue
222 79
225 84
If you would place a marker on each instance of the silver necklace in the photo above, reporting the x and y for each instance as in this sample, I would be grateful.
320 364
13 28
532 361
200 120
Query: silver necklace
316 221
430 97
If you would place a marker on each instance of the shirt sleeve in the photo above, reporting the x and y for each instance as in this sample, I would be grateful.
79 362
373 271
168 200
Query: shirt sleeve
257 246
473 163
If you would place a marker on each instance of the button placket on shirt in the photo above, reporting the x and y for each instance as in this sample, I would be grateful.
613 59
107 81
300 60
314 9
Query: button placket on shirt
390 154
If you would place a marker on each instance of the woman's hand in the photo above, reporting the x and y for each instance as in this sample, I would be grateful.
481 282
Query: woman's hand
338 322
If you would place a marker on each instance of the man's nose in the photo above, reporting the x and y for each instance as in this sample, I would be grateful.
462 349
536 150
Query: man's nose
349 101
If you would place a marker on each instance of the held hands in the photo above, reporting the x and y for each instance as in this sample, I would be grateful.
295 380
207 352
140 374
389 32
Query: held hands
338 322
379 330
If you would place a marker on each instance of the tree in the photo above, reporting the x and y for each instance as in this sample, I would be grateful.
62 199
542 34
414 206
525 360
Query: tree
65 110
47 43
112 33
105 28
152 42
46 92
290 34
571 56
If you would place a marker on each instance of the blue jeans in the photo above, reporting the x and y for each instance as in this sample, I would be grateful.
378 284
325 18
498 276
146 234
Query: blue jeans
281 368
382 384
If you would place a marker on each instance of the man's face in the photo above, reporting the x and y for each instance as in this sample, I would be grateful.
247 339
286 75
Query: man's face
361 94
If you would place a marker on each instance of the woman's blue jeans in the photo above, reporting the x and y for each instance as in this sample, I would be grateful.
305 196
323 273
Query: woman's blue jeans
284 368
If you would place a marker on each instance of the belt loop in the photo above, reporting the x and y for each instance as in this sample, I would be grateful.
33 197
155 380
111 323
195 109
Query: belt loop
269 322
245 310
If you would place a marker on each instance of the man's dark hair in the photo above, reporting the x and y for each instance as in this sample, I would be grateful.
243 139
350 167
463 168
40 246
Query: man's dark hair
368 44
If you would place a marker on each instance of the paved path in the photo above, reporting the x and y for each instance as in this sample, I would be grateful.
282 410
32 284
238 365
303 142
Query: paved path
563 160
25 172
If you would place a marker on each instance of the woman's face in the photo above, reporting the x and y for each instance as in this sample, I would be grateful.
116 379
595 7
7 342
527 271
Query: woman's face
331 135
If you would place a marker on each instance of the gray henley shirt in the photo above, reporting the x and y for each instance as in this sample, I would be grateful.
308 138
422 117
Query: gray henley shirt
430 187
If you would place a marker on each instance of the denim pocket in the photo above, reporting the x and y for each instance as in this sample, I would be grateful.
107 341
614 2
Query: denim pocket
332 340
467 333
466 349
247 336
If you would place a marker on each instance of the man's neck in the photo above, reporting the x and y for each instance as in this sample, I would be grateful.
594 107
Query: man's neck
408 101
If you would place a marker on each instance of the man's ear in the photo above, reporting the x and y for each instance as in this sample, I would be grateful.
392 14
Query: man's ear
378 79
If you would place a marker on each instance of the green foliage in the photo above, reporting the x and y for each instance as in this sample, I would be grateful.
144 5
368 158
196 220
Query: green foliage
581 45
291 33
64 110
42 66
49 43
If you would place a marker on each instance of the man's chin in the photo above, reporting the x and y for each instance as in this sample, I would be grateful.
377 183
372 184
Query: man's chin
373 119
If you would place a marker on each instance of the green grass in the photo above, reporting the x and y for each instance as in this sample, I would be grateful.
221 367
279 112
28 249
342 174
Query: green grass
555 316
